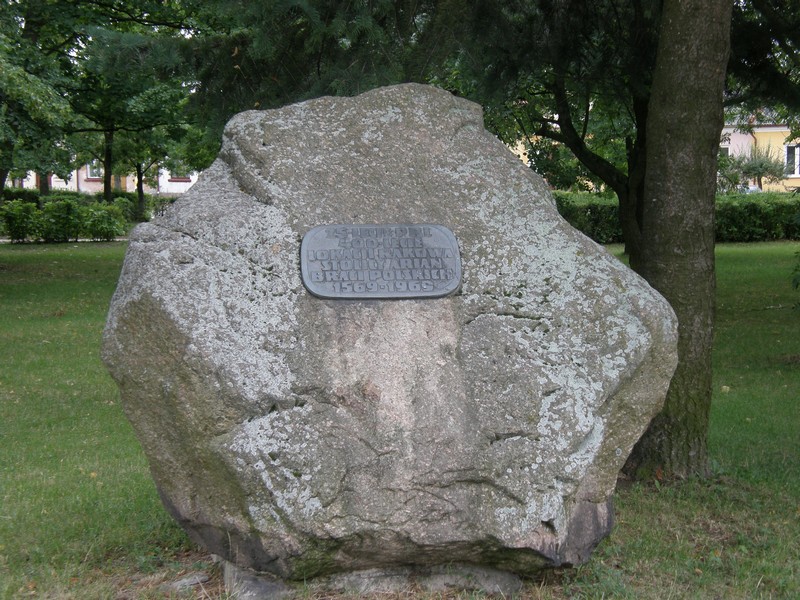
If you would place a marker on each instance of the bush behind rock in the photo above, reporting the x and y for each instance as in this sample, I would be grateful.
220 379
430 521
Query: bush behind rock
739 217
61 219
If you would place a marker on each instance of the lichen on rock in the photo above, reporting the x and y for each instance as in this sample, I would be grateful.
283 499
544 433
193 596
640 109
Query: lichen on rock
307 437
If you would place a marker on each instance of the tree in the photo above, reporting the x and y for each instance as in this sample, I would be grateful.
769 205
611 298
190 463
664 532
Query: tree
69 69
141 152
761 164
32 112
764 69
574 72
242 56
685 118
559 168
118 90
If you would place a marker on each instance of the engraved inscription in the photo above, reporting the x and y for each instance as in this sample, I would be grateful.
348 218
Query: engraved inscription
380 261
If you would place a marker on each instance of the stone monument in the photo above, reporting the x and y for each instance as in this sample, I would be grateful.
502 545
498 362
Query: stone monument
365 349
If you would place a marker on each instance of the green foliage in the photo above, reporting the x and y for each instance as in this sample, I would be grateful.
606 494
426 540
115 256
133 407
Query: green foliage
104 222
159 204
61 221
24 194
78 198
32 111
595 215
729 175
575 73
22 220
762 72
130 196
757 217
558 166
739 218
65 216
126 207
761 164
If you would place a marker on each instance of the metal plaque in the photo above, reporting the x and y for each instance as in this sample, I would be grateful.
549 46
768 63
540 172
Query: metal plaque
359 262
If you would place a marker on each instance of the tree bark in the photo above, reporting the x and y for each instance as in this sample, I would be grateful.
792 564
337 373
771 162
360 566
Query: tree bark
108 164
684 123
6 161
141 204
43 181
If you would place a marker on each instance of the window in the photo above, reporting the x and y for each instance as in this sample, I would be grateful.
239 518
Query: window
792 156
94 170
724 151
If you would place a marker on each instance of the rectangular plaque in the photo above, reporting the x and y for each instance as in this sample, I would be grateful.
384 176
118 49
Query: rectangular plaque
359 262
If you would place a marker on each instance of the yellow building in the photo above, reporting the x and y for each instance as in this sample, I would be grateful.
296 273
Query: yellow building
774 138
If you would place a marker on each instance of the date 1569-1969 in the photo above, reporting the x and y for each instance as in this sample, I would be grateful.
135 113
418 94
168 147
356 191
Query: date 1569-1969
363 287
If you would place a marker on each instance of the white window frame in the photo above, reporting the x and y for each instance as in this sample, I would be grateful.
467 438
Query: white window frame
791 153
94 170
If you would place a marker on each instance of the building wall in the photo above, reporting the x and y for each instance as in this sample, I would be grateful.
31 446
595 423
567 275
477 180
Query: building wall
737 142
81 182
773 137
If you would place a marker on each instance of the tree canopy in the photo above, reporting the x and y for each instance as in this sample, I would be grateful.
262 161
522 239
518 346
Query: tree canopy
764 69
71 70
576 73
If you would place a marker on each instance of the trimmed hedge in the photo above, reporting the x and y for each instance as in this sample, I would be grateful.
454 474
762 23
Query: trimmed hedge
739 217
61 220
24 194
21 219
597 216
758 217
64 216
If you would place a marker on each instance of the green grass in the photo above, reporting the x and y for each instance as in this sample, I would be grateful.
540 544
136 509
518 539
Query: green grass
75 494
756 411
80 518
737 534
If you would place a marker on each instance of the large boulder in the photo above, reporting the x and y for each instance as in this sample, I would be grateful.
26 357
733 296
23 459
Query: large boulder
305 437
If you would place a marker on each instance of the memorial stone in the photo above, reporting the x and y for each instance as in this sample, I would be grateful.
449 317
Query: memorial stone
365 350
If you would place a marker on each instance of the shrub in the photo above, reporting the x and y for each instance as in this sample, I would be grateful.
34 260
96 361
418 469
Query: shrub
61 221
595 215
127 207
103 222
132 196
79 198
22 220
757 217
739 217
24 194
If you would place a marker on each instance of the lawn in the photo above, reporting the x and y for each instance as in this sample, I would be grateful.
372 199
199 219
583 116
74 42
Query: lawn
80 518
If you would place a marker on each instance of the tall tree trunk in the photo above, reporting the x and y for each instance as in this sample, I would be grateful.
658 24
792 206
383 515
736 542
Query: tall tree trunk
6 161
677 253
108 164
43 183
140 200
